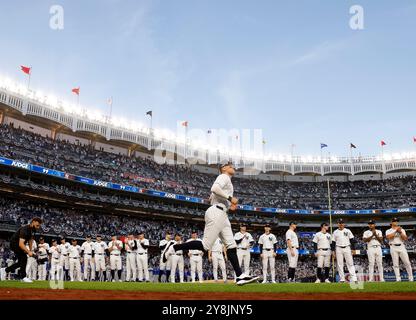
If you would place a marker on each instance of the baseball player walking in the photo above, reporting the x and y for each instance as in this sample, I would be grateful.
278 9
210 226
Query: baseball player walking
244 242
292 250
74 254
374 239
322 243
396 236
142 260
195 259
100 249
218 256
55 253
18 243
268 247
131 264
42 257
344 244
87 251
114 247
217 223
164 267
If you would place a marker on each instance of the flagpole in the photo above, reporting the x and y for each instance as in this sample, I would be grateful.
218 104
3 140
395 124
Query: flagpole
28 81
330 226
111 107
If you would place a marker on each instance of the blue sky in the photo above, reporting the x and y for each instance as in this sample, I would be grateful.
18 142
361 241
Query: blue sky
292 68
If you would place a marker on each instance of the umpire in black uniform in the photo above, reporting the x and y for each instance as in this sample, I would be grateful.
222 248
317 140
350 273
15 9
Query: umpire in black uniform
18 243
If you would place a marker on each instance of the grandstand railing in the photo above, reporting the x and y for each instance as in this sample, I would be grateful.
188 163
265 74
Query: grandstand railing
32 103
167 195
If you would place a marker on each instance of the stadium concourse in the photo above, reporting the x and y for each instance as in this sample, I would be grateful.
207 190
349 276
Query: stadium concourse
73 210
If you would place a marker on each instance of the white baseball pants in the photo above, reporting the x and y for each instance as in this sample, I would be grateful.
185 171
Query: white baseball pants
115 262
64 265
31 268
324 258
142 265
218 260
217 225
375 255
244 260
400 252
89 267
268 260
177 262
42 271
293 260
100 263
341 254
196 266
55 270
131 266
75 267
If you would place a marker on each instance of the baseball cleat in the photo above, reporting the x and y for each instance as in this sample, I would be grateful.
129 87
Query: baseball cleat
327 281
264 281
244 279
164 254
318 281
273 281
27 280
2 274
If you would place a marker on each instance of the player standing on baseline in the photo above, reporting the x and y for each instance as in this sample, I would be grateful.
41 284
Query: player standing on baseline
374 239
344 244
177 261
87 250
32 264
268 247
217 223
18 245
142 259
100 249
130 245
64 262
42 257
74 253
322 243
292 251
218 256
195 259
244 242
397 236
114 247
164 267
55 253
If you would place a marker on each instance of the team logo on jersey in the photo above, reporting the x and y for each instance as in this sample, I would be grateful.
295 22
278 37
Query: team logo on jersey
271 238
328 237
346 233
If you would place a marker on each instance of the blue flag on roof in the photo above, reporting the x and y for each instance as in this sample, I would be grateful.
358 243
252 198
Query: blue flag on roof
323 145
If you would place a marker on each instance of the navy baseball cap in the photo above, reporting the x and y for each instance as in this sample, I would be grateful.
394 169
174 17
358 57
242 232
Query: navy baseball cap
41 238
267 226
228 163
243 225
194 231
395 219
53 240
293 222
341 221
324 224
371 222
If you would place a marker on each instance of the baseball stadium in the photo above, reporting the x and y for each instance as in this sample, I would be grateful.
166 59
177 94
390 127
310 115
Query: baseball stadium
86 178
99 206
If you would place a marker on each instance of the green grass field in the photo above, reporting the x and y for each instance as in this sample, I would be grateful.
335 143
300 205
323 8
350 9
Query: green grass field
213 287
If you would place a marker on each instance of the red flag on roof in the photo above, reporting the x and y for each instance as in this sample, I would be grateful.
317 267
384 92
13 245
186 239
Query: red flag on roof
382 143
25 69
185 123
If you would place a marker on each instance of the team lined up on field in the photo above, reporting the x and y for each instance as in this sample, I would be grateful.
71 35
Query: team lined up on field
63 261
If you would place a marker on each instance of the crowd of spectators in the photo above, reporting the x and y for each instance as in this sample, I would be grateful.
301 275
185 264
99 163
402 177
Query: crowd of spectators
84 160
